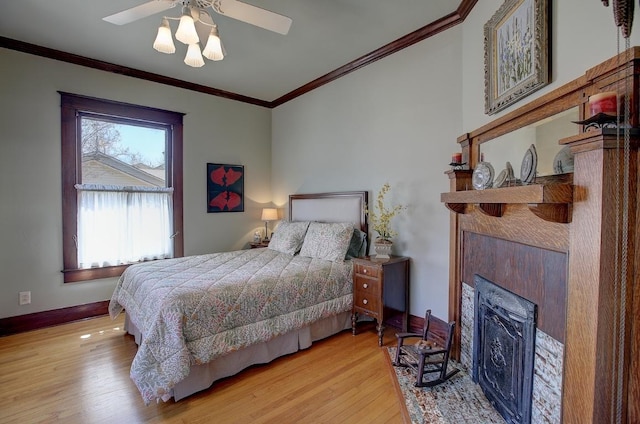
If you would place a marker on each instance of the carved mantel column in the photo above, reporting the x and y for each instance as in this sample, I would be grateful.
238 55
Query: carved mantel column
595 301
459 180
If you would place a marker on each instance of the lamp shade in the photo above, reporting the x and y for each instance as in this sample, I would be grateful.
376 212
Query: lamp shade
194 57
186 32
269 214
213 49
164 40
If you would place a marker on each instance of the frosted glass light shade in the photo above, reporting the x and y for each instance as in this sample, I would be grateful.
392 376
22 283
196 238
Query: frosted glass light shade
164 40
194 57
269 214
213 49
186 32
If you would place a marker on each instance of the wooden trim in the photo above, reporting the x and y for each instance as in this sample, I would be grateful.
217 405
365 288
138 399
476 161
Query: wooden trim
72 106
75 59
75 275
423 33
37 320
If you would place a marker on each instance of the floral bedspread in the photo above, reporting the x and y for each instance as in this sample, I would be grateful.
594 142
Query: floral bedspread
194 309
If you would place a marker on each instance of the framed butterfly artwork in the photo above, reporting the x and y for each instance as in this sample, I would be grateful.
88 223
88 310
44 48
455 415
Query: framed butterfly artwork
225 188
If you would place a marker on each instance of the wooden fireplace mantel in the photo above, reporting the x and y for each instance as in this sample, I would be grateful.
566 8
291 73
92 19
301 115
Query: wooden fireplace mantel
581 216
550 202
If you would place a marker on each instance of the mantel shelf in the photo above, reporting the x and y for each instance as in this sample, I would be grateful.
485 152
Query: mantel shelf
550 202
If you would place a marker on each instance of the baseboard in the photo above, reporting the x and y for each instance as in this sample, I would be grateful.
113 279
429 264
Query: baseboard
438 326
37 320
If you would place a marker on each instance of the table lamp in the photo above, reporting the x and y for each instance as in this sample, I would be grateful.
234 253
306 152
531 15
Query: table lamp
268 214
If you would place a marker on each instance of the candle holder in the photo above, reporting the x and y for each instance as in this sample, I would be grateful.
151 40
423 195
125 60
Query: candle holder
456 166
598 121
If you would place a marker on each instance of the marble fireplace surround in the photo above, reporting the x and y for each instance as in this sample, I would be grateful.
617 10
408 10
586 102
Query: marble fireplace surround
505 267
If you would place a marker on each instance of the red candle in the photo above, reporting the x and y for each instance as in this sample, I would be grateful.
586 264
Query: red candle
606 102
456 158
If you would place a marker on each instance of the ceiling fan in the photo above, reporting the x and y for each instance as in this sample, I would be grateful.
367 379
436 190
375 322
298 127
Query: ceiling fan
232 8
196 23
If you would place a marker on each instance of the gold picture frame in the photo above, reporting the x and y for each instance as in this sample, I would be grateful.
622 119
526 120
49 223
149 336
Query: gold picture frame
516 52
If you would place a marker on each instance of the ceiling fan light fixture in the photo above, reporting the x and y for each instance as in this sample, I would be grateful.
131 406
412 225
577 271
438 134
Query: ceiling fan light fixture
213 49
164 40
194 57
186 32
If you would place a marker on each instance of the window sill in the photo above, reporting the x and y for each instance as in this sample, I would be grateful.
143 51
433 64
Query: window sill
75 275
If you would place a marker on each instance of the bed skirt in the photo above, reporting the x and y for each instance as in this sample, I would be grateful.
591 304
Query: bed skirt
201 377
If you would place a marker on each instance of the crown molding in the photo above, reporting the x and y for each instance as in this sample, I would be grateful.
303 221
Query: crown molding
401 43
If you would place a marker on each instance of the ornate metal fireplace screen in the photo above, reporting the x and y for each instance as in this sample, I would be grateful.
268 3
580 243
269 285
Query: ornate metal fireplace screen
504 348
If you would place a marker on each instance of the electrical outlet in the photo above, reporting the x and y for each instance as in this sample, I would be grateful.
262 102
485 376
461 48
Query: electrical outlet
25 298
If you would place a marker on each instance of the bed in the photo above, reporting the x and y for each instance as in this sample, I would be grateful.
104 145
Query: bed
201 318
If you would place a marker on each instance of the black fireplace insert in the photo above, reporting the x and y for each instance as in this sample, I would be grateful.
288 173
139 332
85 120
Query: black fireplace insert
504 349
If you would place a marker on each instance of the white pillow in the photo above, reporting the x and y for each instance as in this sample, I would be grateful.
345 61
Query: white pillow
328 241
288 237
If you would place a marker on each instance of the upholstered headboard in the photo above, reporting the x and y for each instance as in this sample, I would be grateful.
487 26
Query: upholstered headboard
347 206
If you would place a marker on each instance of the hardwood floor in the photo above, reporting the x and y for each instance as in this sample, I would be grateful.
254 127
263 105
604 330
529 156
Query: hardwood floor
79 373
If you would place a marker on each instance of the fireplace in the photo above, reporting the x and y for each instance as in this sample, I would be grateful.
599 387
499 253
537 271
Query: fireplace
504 349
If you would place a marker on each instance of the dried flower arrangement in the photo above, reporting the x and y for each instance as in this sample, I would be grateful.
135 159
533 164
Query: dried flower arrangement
381 220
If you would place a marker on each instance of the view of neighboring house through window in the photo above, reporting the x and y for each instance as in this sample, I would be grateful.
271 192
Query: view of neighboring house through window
124 205
122 186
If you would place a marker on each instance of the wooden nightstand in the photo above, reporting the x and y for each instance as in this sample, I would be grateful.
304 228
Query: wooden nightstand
254 245
380 287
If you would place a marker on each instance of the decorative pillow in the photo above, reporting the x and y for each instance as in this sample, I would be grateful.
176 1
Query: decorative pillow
288 237
328 241
357 245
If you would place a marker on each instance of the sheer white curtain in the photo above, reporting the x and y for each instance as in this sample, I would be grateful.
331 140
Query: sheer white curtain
119 225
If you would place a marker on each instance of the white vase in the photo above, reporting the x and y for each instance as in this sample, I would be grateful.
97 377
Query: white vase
383 249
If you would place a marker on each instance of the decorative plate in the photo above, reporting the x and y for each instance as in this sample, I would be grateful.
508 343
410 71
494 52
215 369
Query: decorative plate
563 162
501 179
482 176
510 174
529 165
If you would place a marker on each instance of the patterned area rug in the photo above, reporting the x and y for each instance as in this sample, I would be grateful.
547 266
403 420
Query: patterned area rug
458 400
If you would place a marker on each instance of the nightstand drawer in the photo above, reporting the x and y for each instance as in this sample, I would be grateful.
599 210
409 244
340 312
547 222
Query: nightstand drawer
368 270
368 301
364 284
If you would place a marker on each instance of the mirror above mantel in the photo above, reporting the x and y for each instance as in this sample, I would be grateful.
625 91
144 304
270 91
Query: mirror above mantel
544 135
545 122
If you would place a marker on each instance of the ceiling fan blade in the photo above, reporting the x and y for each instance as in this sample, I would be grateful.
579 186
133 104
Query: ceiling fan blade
139 12
253 15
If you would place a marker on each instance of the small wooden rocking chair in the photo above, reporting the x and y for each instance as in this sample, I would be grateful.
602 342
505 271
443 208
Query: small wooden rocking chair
427 355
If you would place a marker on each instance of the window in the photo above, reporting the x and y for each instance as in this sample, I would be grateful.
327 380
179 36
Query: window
121 186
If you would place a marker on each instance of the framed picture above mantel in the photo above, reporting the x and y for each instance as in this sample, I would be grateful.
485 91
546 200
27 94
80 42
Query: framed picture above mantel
516 52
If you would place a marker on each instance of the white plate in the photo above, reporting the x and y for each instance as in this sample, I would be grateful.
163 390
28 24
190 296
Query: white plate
482 176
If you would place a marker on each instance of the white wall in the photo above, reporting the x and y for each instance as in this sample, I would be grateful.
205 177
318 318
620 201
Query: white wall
215 130
397 120
392 121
